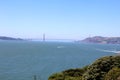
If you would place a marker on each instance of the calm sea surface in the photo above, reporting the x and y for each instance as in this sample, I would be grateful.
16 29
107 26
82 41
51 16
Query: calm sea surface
21 60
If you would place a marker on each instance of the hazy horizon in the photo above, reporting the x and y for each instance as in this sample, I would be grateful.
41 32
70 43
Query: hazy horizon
59 19
54 39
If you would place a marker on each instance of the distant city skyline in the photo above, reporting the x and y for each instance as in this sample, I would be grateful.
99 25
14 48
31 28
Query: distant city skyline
59 19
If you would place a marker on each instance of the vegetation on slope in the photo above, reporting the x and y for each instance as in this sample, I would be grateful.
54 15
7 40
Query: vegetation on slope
105 68
113 74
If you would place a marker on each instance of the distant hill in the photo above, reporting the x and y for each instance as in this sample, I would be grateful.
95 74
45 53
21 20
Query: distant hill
102 40
9 38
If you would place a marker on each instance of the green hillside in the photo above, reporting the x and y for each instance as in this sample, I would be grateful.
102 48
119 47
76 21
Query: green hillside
105 68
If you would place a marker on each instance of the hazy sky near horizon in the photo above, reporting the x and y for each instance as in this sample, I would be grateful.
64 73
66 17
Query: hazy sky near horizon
59 19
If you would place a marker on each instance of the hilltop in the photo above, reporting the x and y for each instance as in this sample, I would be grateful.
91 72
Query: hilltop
9 38
102 40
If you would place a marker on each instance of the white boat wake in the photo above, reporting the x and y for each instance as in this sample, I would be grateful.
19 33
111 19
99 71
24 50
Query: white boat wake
112 51
60 47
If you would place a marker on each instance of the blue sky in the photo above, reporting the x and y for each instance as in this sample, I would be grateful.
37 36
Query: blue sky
59 19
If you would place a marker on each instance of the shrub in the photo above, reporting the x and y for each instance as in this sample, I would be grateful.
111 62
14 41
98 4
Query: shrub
100 67
113 74
57 76
75 72
70 74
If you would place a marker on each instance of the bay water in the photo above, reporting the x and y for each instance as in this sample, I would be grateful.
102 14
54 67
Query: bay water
22 60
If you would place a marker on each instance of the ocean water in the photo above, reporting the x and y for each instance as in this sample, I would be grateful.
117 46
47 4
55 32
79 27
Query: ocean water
21 60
